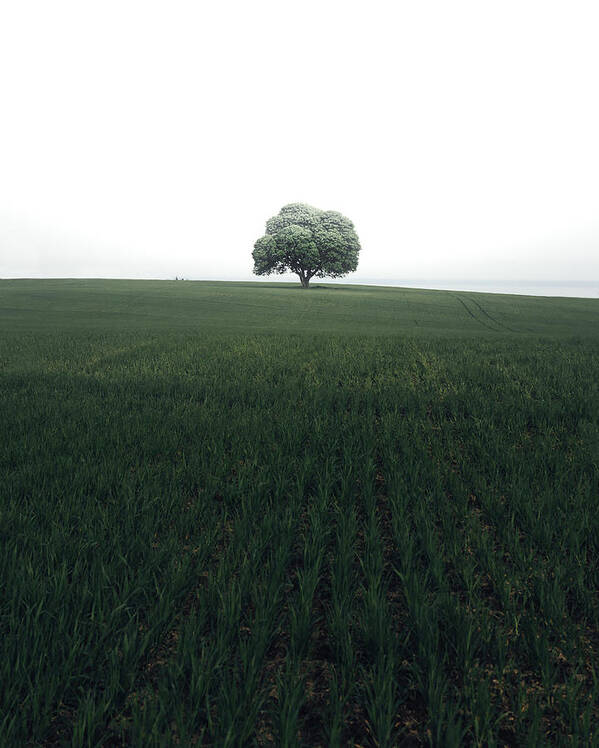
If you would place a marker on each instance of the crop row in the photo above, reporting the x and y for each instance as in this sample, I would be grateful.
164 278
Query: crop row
297 540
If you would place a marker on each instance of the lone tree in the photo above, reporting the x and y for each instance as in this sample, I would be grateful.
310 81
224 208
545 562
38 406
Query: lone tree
309 242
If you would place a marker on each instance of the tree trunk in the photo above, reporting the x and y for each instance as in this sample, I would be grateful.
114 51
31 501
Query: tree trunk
304 279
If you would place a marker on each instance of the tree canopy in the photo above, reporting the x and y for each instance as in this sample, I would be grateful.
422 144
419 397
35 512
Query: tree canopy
309 242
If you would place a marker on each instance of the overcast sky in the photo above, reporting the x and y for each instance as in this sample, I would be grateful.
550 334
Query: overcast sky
143 139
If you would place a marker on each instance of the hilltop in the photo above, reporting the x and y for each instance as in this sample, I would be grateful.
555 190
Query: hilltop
212 306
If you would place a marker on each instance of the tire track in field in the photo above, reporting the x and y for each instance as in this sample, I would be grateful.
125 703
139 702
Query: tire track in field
497 322
475 317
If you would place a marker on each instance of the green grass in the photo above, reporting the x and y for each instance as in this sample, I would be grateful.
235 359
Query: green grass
169 306
238 514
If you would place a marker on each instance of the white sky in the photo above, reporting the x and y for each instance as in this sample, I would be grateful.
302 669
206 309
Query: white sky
143 139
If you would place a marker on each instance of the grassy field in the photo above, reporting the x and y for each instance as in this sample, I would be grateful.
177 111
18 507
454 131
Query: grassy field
248 514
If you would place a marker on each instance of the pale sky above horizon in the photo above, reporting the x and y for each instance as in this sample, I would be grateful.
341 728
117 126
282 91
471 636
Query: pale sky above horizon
144 139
